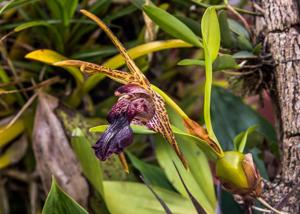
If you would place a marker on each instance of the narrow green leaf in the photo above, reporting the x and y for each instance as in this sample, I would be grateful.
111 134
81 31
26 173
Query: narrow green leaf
59 202
236 117
143 130
226 34
166 158
244 55
38 23
130 197
222 62
191 62
50 57
238 28
90 164
241 139
171 25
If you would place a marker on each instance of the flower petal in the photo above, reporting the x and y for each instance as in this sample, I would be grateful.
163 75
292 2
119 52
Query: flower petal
116 137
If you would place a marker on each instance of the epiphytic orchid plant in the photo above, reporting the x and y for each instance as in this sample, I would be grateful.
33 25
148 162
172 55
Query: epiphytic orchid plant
144 104
138 103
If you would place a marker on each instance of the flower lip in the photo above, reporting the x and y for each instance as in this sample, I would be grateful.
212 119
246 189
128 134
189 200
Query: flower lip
116 137
134 105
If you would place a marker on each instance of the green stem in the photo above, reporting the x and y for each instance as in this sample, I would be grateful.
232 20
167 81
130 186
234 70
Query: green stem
207 95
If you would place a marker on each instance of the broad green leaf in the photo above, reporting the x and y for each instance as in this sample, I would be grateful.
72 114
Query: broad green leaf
238 28
211 33
59 202
241 139
138 51
152 174
49 57
91 166
167 158
129 197
231 116
171 25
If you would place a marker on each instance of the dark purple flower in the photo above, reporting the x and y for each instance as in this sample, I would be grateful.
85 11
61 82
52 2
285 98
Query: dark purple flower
134 106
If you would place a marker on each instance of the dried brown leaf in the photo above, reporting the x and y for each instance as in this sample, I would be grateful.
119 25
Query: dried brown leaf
53 153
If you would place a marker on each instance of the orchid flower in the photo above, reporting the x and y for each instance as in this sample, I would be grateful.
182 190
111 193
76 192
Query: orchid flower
138 103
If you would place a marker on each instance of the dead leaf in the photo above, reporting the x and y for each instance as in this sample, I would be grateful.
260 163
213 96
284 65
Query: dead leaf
53 153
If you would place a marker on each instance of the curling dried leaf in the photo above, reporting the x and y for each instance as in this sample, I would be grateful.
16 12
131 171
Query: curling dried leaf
53 153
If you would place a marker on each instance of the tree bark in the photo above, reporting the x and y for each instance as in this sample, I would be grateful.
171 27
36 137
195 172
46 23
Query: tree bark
280 28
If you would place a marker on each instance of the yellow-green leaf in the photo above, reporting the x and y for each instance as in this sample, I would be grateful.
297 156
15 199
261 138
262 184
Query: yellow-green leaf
49 57
211 33
130 197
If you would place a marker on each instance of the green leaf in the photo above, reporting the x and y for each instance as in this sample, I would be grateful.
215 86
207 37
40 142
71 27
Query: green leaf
15 4
37 23
231 116
143 130
50 57
138 51
91 166
241 139
166 158
238 28
130 197
171 25
191 62
59 202
211 43
226 34
244 43
211 33
197 159
225 62
151 173
136 129
244 55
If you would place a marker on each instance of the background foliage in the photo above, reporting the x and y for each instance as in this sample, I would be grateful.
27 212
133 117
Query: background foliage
46 112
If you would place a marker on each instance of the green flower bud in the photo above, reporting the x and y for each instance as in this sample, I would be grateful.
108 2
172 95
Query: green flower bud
238 174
